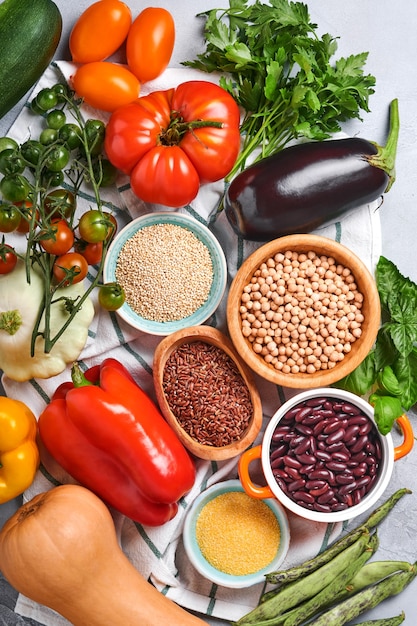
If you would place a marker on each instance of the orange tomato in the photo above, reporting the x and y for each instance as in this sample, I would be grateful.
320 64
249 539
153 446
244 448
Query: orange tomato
100 31
105 86
150 43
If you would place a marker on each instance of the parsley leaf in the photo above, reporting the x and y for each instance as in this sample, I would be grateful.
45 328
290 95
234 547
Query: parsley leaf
282 74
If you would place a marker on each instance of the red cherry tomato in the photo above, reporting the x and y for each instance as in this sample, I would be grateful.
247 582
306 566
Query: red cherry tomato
150 43
8 259
104 85
99 31
92 252
70 268
61 238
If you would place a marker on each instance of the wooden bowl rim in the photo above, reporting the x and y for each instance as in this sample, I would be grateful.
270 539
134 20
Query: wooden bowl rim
215 337
366 286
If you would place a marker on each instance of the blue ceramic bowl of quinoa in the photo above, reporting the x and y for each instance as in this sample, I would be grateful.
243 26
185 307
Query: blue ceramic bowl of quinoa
173 271
234 540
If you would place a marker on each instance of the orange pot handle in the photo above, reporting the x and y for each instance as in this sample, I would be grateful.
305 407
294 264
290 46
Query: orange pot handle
408 438
253 490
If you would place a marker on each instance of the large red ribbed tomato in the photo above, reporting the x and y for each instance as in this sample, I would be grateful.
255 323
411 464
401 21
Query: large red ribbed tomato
172 141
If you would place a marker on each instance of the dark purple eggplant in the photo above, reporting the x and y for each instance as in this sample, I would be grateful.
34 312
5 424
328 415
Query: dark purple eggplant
303 186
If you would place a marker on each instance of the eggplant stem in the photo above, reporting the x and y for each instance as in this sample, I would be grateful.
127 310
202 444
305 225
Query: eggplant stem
386 155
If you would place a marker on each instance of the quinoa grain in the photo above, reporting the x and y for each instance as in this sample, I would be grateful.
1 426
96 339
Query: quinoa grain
166 272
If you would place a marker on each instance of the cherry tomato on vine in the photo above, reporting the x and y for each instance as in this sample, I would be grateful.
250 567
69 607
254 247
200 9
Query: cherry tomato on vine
111 296
112 225
70 134
94 226
14 187
11 162
8 259
99 31
58 239
32 151
61 91
9 218
57 159
56 119
7 143
48 136
44 100
70 268
60 203
26 212
52 179
92 252
95 131
105 173
150 43
105 85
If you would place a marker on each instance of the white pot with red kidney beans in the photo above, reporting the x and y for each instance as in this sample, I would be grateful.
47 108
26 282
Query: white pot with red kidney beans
323 457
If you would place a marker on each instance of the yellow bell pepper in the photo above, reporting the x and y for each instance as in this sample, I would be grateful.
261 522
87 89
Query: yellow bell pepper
19 454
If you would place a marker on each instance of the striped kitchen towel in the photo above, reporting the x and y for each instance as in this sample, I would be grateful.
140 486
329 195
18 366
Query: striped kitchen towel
158 552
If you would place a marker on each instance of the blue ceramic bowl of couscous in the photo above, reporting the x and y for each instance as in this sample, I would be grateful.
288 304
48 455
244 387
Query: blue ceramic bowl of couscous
234 540
172 269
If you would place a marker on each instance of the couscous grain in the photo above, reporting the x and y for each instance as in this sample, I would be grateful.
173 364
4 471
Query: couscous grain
237 534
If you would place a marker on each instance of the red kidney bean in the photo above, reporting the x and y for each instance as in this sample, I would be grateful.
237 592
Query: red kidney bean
302 447
323 455
322 508
277 462
279 451
303 496
350 408
336 466
292 472
336 436
344 479
327 454
365 428
340 455
303 413
296 441
359 419
292 461
326 497
295 485
304 430
280 432
359 444
360 470
315 484
319 491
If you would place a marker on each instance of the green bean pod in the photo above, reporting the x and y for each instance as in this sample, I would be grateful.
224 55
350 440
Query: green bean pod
384 621
298 571
313 606
365 600
266 613
370 574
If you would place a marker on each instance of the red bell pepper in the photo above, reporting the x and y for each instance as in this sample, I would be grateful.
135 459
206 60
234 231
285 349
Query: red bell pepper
106 432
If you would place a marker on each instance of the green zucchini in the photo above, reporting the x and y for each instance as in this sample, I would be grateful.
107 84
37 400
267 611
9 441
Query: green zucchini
30 31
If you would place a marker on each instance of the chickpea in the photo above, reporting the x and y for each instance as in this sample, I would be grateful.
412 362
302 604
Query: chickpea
301 311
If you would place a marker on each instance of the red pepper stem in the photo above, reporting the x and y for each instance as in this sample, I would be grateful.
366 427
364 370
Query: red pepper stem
78 378
386 155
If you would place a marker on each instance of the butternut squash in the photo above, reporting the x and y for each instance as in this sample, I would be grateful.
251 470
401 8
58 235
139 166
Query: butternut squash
61 550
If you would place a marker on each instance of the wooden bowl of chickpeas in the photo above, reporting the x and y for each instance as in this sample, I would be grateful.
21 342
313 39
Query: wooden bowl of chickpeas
303 311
